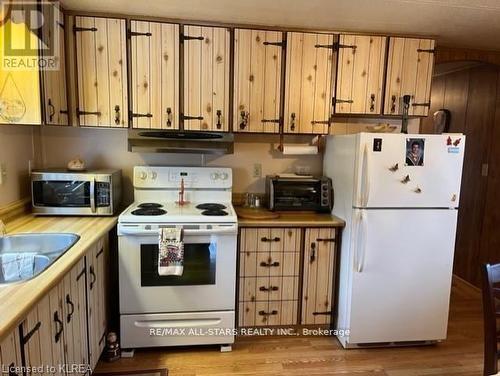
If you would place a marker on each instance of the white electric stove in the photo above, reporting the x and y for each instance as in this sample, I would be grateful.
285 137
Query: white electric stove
199 306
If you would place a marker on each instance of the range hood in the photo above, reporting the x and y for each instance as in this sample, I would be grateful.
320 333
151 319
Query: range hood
158 141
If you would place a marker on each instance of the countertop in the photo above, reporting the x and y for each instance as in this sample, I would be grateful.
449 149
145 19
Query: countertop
294 219
17 299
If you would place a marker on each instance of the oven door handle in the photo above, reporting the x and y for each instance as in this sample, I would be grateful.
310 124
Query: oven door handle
92 196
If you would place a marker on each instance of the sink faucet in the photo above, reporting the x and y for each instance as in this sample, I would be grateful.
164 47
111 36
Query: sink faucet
3 229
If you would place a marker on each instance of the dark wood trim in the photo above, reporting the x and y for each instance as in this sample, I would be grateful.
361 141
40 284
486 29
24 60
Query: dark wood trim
130 103
195 22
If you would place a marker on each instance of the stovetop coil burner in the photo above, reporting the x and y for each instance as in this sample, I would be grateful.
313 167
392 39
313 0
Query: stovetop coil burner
150 205
149 211
214 212
210 207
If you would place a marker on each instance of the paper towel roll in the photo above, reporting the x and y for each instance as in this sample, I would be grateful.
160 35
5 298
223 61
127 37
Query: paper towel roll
299 149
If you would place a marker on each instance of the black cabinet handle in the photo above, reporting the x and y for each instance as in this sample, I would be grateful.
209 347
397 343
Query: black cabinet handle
264 313
30 334
101 251
393 104
117 115
52 110
269 264
372 102
169 117
270 288
244 119
322 313
92 274
275 239
292 121
72 306
312 256
219 115
331 240
58 321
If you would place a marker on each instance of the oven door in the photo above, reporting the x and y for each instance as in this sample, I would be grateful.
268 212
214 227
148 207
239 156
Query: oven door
207 283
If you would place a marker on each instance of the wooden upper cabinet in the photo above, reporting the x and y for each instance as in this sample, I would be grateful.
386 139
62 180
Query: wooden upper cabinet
155 75
257 80
54 78
206 78
308 82
360 74
102 72
409 72
19 87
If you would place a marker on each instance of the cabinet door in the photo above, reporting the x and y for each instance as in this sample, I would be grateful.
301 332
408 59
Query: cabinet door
10 353
409 72
318 276
308 82
43 333
360 74
19 87
75 316
206 78
257 85
101 70
54 78
155 75
97 309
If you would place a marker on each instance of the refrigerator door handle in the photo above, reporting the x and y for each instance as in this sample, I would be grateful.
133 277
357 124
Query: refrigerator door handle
361 243
365 178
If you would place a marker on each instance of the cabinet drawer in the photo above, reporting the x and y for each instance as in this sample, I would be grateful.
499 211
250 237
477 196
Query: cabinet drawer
268 313
270 240
258 264
269 288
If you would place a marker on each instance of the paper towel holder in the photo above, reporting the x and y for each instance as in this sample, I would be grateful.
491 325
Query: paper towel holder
318 140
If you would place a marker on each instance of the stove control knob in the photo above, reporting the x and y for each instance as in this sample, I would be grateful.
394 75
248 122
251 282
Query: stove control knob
153 175
143 175
224 175
214 175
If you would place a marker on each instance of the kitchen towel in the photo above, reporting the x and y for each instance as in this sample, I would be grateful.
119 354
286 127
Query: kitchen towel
171 252
16 266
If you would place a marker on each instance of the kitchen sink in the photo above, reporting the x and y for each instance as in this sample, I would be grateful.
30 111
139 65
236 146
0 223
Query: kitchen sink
24 256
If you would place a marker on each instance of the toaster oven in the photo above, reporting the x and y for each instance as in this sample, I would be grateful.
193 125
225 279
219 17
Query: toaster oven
299 193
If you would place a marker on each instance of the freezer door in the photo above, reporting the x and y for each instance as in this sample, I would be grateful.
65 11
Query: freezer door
402 269
416 171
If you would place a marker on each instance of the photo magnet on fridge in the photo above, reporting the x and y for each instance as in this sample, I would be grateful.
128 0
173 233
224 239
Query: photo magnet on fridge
415 148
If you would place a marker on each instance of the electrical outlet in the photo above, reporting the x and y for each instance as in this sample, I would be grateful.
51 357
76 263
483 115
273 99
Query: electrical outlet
257 170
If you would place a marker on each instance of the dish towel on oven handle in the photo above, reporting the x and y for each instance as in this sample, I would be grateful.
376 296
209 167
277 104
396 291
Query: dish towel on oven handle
171 252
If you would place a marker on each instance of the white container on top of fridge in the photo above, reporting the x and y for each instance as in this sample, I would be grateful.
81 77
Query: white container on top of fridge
399 196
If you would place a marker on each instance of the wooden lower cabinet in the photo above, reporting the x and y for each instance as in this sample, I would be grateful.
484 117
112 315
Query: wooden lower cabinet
97 263
66 330
43 334
278 274
75 319
318 281
10 355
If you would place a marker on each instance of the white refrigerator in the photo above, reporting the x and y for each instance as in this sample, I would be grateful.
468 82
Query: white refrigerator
399 195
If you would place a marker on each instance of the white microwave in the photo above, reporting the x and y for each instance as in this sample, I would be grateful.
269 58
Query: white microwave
62 192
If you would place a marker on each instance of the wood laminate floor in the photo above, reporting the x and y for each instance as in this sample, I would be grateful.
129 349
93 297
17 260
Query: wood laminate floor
461 354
